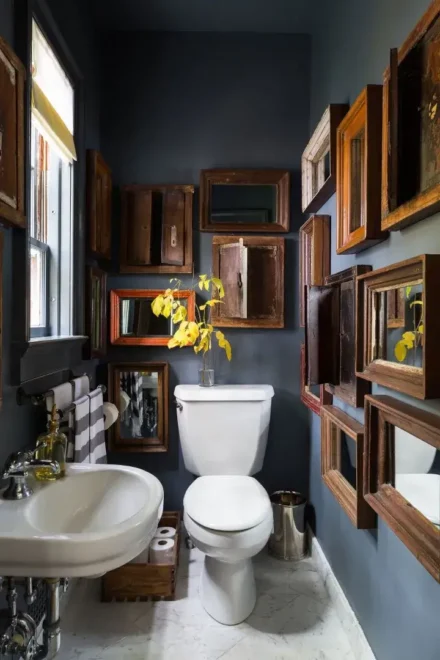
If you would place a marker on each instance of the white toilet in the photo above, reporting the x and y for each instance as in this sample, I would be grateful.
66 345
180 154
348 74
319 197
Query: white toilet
227 513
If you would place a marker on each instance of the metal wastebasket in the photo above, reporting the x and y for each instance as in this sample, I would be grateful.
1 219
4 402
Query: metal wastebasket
288 540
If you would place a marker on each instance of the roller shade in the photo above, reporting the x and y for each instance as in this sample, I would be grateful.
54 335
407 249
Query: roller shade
53 125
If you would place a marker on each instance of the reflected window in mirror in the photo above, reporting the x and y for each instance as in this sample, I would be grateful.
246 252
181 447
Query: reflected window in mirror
137 319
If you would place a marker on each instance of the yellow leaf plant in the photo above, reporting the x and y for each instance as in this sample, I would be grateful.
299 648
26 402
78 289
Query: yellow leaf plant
193 333
410 339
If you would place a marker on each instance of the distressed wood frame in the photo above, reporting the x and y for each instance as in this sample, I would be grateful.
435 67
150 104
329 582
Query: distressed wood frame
96 350
323 141
420 536
116 295
158 444
278 178
334 422
314 257
422 383
99 205
425 203
364 115
309 399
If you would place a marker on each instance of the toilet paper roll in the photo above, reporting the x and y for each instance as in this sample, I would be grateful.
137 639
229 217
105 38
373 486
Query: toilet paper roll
165 533
111 414
162 551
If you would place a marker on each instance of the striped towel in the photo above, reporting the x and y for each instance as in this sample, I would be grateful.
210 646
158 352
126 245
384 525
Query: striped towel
82 429
62 397
81 386
98 452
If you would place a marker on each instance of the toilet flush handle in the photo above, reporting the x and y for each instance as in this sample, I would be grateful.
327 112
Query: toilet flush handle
178 405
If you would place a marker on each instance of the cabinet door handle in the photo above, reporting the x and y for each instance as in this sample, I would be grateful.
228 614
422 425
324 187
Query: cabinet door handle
173 236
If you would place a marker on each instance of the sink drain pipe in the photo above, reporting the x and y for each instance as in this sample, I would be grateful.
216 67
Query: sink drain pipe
51 626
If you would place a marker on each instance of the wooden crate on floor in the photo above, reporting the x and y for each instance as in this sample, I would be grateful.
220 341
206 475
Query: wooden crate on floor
145 581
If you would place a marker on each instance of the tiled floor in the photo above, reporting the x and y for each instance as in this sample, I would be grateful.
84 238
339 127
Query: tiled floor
293 620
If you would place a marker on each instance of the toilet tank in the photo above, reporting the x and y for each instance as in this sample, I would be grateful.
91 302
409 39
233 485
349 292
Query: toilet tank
223 429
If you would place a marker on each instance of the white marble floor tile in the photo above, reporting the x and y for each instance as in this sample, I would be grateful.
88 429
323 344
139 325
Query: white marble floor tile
293 620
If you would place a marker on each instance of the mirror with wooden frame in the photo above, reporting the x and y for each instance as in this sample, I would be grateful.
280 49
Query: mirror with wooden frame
407 357
342 458
96 312
132 322
402 474
140 393
252 271
245 200
12 147
318 163
411 129
99 205
359 137
156 229
312 396
314 257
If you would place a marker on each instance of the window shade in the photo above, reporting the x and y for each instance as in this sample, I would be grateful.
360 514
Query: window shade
51 122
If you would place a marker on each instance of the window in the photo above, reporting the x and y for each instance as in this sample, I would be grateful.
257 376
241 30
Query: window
52 177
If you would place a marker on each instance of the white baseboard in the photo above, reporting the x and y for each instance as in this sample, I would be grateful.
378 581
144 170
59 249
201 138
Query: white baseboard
352 628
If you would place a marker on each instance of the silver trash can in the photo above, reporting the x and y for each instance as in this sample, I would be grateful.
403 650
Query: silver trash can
288 540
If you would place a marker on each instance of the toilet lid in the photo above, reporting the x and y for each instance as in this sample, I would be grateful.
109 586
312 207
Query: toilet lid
423 492
227 503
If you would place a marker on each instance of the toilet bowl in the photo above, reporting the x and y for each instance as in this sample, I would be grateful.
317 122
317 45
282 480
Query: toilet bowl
229 518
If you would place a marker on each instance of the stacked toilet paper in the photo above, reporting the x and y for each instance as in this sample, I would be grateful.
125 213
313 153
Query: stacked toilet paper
162 546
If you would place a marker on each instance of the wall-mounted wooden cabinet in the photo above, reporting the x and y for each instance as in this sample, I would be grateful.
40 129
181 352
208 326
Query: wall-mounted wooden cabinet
314 397
314 257
156 229
99 205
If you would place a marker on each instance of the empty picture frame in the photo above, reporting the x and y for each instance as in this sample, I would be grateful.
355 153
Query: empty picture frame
139 390
252 271
406 359
342 464
400 484
318 163
132 322
99 205
96 312
313 397
314 257
12 147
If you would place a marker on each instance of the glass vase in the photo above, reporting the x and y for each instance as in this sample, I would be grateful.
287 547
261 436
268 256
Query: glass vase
206 373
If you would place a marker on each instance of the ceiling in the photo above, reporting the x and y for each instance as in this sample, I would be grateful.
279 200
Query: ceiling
276 16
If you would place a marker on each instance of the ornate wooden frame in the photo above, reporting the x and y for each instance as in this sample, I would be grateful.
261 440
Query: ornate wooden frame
333 422
425 203
422 383
364 115
278 178
94 316
12 209
158 444
116 295
420 536
316 189
99 204
314 257
311 400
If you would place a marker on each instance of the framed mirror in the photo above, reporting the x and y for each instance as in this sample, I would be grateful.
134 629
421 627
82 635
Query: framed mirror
140 393
132 322
404 357
96 311
402 474
245 200
312 396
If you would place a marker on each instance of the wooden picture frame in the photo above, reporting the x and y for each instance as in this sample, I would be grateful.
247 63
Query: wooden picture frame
334 462
252 272
152 444
309 399
96 312
99 205
359 139
382 415
12 152
314 257
157 229
318 162
280 179
410 143
421 382
116 297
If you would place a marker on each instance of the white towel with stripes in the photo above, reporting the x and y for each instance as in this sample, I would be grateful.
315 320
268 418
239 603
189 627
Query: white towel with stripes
82 429
62 396
98 452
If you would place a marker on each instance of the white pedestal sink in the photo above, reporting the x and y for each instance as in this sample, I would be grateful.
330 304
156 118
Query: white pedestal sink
96 518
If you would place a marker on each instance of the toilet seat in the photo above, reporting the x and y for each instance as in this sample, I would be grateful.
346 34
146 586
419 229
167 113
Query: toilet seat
227 503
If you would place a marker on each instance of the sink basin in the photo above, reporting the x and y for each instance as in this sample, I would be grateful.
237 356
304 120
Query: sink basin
96 518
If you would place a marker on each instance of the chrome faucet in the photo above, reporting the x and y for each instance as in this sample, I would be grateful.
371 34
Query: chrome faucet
17 468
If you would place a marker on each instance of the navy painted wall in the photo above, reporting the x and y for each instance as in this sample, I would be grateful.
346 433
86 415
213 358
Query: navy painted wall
173 104
396 600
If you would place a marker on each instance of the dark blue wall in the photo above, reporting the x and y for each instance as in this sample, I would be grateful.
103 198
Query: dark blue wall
173 104
396 600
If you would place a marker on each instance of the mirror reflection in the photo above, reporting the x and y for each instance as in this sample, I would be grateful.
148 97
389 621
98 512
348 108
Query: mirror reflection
357 182
315 390
347 458
417 473
401 339
138 404
243 204
137 319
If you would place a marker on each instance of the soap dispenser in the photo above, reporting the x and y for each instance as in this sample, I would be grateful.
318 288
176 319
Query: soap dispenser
51 446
